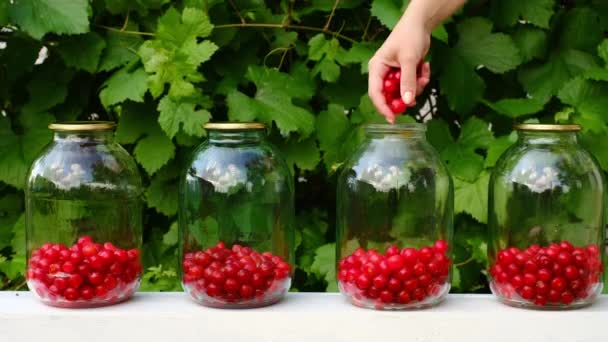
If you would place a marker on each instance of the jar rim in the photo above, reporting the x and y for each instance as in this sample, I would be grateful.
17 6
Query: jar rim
234 126
548 127
395 128
82 126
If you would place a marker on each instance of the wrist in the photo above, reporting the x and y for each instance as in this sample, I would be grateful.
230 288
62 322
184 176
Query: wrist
419 14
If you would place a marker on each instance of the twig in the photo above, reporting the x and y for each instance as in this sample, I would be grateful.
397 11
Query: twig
464 262
288 27
331 15
236 9
124 26
138 33
369 22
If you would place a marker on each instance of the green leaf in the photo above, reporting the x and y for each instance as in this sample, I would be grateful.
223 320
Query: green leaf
510 12
39 17
602 50
515 108
475 133
461 85
389 11
46 89
174 115
154 151
18 151
171 237
581 30
438 133
327 52
121 49
597 144
130 127
472 197
545 80
324 265
497 147
590 99
174 56
302 153
273 102
360 53
440 33
82 51
462 163
479 46
4 7
124 85
162 192
532 43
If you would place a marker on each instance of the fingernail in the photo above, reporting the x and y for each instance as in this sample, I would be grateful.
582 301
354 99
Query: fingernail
408 97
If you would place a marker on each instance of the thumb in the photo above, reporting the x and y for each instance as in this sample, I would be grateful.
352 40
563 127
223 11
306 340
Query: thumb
408 81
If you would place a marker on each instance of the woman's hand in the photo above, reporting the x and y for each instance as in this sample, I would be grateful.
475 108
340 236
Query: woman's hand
405 48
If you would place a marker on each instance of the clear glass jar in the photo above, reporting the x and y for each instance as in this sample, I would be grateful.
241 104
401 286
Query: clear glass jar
83 218
546 221
236 216
395 221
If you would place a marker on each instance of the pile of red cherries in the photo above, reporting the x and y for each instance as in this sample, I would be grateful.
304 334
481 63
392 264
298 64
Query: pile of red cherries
403 277
556 275
221 276
85 274
390 89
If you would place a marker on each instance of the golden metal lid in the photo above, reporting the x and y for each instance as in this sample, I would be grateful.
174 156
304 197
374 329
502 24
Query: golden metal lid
234 126
80 126
548 128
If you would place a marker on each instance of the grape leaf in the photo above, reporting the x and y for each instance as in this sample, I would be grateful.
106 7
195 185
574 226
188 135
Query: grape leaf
475 133
438 133
273 102
581 30
4 6
174 115
479 46
545 80
497 147
510 12
515 108
590 99
17 152
301 153
124 85
82 51
174 56
39 17
327 54
46 89
324 265
389 11
462 163
360 53
141 6
597 144
121 49
602 50
461 85
532 42
472 197
154 150
162 192
130 128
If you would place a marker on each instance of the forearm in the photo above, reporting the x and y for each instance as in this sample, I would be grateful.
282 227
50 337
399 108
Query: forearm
430 13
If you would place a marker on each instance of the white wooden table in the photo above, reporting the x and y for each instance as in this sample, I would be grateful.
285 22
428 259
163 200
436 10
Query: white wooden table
306 317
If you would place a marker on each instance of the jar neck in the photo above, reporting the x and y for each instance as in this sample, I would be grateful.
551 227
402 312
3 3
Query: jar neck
547 138
97 137
236 137
404 132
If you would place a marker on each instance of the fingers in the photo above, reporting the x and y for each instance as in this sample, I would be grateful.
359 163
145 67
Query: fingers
424 77
377 70
409 85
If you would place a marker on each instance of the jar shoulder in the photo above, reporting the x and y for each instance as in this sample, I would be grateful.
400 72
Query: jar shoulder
108 167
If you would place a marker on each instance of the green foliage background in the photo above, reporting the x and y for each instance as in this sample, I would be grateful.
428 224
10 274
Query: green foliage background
163 68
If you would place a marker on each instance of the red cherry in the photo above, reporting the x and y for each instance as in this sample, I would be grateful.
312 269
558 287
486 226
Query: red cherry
87 293
380 281
96 278
386 296
363 282
75 280
567 297
71 294
390 86
558 284
397 106
395 262
544 274
89 249
571 272
440 246
394 284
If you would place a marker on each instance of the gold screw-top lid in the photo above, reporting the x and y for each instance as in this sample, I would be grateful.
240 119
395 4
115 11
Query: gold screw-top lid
548 128
82 126
234 126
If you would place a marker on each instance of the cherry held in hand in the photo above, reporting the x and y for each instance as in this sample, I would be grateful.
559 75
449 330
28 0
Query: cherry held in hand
86 274
397 279
235 277
553 276
391 91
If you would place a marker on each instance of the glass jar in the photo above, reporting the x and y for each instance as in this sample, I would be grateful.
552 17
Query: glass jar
236 216
394 221
546 221
83 218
